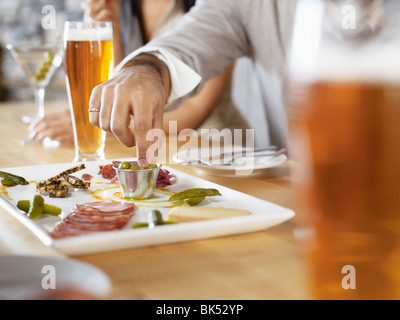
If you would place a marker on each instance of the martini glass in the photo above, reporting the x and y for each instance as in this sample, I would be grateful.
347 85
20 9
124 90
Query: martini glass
39 62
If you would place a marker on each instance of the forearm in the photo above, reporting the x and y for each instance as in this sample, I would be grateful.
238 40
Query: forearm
186 117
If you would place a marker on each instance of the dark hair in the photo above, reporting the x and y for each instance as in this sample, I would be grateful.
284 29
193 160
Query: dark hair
136 4
136 9
187 4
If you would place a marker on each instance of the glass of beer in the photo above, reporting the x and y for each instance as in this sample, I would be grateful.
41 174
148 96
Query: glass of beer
344 123
88 61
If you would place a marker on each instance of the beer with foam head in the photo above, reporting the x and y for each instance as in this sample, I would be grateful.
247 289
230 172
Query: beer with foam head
88 61
345 134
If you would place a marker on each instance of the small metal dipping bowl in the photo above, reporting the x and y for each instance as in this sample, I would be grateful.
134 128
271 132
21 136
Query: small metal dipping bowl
137 184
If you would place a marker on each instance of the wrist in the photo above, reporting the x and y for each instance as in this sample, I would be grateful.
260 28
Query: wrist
150 64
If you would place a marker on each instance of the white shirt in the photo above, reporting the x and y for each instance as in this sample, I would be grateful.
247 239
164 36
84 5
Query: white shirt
183 78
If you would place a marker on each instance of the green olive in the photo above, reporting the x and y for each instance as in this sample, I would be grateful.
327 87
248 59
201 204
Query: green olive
124 165
127 166
39 77
47 64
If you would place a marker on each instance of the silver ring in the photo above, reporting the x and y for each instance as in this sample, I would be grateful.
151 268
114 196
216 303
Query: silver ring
94 110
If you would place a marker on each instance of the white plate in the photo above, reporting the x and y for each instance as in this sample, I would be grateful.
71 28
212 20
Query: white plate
244 167
33 277
264 213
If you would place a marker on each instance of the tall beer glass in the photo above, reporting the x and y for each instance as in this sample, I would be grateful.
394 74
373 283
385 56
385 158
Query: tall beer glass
345 134
88 61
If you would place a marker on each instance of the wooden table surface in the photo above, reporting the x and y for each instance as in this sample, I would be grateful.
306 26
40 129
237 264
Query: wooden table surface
259 265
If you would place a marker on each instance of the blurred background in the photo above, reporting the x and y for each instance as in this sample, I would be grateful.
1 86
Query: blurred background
22 20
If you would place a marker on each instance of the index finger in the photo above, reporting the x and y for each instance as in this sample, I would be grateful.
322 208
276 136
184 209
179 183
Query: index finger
143 123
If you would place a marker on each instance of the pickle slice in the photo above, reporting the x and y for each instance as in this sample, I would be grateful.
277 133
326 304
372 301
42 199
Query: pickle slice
36 207
24 205
8 183
14 178
155 218
194 193
194 201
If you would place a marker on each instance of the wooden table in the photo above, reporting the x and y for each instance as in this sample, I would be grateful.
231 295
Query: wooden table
260 265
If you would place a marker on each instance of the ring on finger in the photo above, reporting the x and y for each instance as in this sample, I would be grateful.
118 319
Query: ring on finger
94 110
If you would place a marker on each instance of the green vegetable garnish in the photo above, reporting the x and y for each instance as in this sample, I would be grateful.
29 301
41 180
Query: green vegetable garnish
155 219
24 205
8 183
127 166
194 193
12 177
195 201
36 208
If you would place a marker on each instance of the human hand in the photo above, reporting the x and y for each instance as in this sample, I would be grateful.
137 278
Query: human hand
107 10
57 126
140 90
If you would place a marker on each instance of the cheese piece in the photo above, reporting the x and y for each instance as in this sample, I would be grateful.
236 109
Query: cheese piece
189 214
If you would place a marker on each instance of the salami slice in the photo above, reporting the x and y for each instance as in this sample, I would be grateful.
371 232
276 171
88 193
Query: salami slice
94 217
105 207
107 171
87 177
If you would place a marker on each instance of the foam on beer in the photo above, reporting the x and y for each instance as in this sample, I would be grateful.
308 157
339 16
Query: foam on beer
94 34
373 64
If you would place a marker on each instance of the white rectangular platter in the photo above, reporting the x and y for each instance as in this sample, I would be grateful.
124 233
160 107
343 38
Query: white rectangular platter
264 214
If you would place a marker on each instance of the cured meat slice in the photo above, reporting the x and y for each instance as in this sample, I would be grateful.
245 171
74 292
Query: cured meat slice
165 178
87 177
107 171
115 207
94 217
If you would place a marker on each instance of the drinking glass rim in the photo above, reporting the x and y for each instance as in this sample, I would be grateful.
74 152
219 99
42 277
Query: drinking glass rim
82 25
87 31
